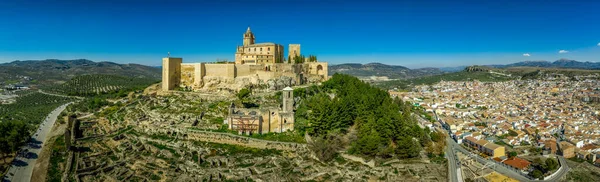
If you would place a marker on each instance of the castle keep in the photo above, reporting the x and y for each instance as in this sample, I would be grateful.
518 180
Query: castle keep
254 63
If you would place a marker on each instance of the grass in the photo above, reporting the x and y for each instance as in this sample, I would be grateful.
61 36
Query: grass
281 137
155 177
164 147
56 159
576 175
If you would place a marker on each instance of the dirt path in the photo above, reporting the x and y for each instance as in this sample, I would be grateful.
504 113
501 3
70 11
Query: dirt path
40 170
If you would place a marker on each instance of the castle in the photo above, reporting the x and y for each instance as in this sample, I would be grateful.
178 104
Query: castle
254 62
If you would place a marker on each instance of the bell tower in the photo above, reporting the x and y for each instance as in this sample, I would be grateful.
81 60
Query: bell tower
288 99
248 37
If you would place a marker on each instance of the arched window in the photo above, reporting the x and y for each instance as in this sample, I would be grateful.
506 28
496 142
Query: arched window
268 49
261 49
255 49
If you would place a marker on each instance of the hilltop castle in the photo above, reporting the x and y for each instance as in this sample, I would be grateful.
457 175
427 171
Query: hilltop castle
254 62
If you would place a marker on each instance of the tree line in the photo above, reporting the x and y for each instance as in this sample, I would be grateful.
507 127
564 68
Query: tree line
13 134
301 59
375 124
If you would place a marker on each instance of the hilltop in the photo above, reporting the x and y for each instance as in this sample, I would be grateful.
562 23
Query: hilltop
381 70
489 74
561 63
53 71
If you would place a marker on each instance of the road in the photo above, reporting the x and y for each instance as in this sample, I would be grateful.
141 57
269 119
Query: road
453 163
22 167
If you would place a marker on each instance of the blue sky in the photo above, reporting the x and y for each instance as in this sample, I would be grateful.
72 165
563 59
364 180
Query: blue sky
413 34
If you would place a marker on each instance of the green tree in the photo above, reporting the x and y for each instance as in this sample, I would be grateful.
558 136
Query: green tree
299 59
243 93
512 133
407 148
551 164
512 154
385 127
537 174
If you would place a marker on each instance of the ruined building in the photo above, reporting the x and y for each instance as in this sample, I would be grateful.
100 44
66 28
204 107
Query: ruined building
264 120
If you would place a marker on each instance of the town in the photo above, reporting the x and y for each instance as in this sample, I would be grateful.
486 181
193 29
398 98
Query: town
521 125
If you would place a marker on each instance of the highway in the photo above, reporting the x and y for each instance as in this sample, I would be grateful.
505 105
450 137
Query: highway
22 167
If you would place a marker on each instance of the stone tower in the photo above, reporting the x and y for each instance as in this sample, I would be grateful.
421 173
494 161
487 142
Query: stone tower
171 73
288 99
248 37
294 50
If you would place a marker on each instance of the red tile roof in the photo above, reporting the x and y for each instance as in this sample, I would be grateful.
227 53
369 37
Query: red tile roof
517 163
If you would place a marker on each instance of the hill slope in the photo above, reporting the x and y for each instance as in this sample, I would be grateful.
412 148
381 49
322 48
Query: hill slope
562 63
86 85
379 69
52 71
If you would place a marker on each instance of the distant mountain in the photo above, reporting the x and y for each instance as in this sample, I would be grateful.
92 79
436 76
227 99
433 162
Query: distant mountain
452 69
50 71
379 69
562 63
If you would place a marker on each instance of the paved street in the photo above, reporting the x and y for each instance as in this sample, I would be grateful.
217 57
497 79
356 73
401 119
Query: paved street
22 167
453 164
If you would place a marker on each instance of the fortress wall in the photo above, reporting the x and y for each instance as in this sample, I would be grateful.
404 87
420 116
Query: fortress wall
248 70
318 68
220 70
255 68
188 74
171 72
198 74
243 70
282 67
265 75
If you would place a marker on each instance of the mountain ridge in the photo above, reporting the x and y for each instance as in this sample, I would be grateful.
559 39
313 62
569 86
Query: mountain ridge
50 71
561 63
381 70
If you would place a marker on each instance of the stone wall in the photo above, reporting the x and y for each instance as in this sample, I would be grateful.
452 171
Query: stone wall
318 68
171 73
231 139
227 138
220 70
188 74
219 76
248 70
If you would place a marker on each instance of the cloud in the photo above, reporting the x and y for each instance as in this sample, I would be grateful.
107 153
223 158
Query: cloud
598 43
563 51
526 55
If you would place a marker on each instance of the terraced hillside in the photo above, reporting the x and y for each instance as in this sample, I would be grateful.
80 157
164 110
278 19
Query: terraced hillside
89 85
44 73
31 107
